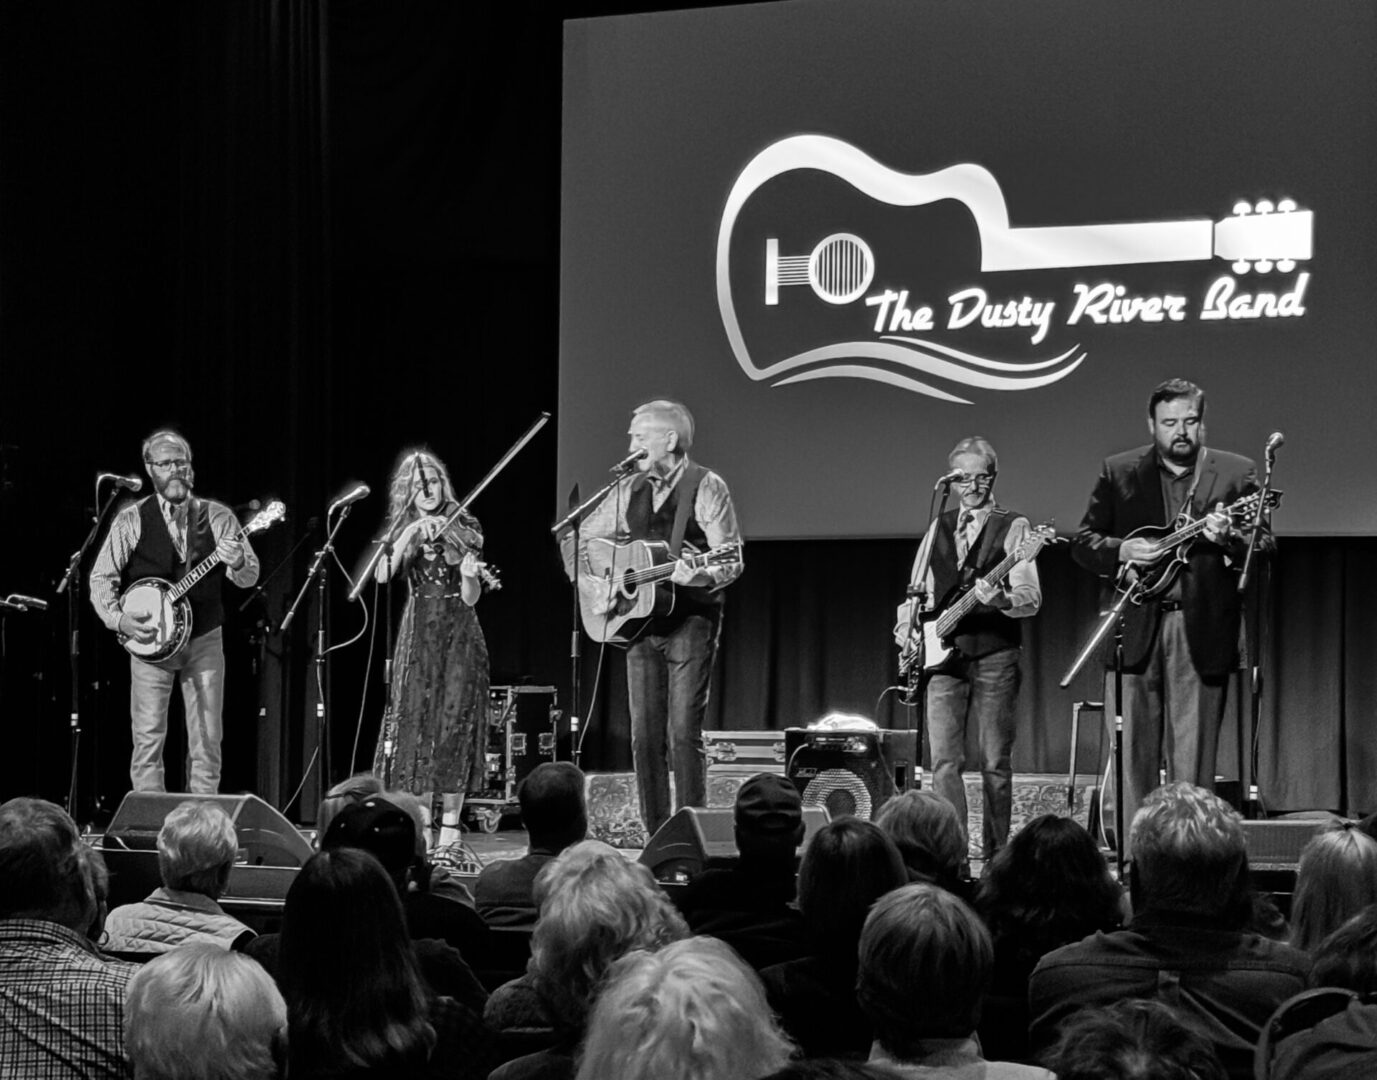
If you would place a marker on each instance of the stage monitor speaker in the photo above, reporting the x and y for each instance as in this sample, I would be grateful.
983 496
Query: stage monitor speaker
850 772
1274 850
684 843
271 850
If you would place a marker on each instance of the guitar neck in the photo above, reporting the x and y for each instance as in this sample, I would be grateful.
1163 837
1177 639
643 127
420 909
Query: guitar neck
962 607
204 567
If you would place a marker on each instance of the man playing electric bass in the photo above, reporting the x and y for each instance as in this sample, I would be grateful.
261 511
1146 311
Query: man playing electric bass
979 678
1181 642
671 499
164 535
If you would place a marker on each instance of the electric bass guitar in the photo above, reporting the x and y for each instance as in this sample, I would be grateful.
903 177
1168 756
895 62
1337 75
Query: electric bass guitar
167 602
1153 579
623 586
937 627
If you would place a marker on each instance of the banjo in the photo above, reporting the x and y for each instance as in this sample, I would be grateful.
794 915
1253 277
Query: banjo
167 603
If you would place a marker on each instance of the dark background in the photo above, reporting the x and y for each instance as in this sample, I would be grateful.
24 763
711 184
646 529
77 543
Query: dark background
309 235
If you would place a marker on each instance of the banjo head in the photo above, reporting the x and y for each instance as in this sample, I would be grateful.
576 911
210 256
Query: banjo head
171 620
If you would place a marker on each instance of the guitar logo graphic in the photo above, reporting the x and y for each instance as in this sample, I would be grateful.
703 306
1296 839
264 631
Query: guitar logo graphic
841 268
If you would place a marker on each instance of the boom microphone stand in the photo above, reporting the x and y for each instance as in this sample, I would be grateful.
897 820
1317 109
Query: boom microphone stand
71 584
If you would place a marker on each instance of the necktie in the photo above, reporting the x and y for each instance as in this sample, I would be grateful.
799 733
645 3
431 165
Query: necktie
963 528
176 525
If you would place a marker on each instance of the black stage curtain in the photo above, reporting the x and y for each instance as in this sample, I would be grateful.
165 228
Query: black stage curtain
311 234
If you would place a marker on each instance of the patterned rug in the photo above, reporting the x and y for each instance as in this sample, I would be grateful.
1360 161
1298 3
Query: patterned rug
614 816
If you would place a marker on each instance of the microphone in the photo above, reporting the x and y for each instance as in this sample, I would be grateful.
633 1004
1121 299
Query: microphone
27 602
129 483
1274 442
629 460
947 480
351 496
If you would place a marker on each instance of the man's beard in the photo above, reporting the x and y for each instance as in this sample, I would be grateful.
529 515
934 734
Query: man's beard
1182 453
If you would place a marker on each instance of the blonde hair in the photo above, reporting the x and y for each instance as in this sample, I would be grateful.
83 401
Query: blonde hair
691 1011
595 906
197 846
203 1013
1337 879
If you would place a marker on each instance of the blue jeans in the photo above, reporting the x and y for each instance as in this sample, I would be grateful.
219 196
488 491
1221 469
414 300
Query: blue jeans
200 668
668 674
980 691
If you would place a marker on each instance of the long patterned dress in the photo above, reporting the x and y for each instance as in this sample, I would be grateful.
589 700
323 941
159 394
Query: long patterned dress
439 680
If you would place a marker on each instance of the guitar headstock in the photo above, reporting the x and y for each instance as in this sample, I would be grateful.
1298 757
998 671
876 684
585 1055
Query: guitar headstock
722 555
1037 538
1265 236
270 515
1248 504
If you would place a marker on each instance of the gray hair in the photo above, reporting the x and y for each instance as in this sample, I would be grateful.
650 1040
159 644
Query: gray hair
41 864
1189 852
671 414
976 444
197 846
204 1013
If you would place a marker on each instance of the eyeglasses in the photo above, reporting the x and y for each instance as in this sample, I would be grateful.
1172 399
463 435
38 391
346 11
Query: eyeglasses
170 464
975 479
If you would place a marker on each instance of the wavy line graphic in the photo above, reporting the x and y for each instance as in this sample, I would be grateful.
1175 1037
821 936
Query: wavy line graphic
973 184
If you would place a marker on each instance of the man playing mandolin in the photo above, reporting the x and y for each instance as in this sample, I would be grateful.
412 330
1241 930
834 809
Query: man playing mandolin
671 499
976 682
164 536
1181 641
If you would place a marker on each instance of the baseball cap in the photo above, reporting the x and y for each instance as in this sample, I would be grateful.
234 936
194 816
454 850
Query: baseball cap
769 805
378 827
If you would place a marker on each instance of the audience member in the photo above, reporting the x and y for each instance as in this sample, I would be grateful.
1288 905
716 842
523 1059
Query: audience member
747 900
356 1003
1133 1040
849 865
1048 887
388 834
97 877
555 816
200 1012
442 881
197 846
595 907
1187 944
346 793
61 1002
692 1011
1347 958
925 961
1337 878
928 833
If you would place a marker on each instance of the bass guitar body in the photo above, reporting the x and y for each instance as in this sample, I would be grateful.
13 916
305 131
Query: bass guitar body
170 618
618 588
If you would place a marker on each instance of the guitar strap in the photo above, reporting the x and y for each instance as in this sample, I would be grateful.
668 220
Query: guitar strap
1189 500
685 495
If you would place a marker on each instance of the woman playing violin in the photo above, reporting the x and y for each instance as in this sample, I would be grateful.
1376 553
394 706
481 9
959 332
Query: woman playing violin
439 700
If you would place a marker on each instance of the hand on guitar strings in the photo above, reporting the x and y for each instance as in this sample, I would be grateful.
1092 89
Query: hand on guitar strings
1219 527
992 595
683 573
1141 550
138 626
231 552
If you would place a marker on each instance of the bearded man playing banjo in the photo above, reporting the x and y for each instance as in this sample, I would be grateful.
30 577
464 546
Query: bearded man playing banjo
163 536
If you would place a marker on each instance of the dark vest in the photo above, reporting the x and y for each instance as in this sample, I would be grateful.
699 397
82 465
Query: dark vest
985 629
156 556
644 522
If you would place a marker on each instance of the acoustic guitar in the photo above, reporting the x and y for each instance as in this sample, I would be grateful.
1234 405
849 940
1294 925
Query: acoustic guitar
623 586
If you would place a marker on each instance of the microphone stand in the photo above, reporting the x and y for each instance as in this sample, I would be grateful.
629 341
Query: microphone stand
1112 618
915 642
70 584
318 573
1247 775
574 520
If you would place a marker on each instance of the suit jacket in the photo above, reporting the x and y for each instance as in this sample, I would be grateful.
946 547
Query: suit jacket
1127 496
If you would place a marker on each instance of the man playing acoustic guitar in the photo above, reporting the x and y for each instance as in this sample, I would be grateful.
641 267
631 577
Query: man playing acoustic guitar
978 680
1181 643
671 499
163 536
